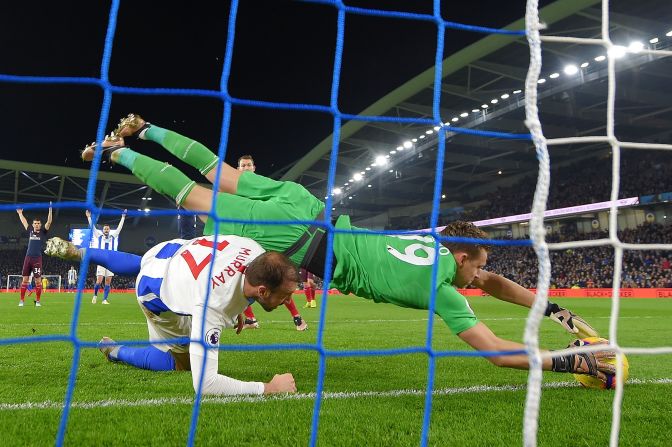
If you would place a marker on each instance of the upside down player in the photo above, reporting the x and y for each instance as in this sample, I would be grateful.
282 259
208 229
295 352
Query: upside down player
363 261
32 263
171 288
246 163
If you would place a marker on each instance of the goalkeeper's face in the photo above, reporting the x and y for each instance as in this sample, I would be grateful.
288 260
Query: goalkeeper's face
469 266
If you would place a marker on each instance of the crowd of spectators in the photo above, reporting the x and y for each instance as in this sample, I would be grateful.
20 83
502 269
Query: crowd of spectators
590 182
11 262
591 266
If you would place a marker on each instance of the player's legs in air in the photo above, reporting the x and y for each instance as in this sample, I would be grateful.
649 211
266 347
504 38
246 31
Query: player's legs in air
257 198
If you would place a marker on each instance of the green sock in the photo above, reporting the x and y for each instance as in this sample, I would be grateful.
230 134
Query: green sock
190 151
162 177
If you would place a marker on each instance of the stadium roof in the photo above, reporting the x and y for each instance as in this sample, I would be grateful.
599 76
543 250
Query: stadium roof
491 68
490 71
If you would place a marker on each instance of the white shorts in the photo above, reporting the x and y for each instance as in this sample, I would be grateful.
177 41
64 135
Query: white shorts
72 283
167 326
102 271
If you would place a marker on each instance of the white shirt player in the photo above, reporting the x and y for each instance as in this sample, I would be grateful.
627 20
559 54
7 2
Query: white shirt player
72 276
172 285
109 241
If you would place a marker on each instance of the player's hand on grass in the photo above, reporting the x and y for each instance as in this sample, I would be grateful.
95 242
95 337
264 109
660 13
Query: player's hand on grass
281 383
571 322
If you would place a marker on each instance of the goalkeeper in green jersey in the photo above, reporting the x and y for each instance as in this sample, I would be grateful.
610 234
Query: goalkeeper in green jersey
389 269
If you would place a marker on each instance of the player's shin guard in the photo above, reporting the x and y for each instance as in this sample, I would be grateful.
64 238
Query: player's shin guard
292 307
162 177
106 292
190 151
148 357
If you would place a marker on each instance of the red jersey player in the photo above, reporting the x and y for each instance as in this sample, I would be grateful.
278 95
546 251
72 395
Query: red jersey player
32 263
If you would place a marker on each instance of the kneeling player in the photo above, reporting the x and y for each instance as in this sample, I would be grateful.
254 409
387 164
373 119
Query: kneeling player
171 289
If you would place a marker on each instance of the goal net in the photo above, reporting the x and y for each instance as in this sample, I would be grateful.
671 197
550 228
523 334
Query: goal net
53 282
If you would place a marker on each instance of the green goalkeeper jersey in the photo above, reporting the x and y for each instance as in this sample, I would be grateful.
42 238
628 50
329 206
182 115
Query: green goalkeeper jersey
398 270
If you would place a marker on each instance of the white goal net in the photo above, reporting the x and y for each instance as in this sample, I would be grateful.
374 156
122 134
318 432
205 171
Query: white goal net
53 282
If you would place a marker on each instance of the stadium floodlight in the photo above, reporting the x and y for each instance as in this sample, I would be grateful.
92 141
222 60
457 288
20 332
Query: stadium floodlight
393 152
381 160
414 140
669 34
407 145
368 168
455 119
362 172
584 65
373 165
571 69
346 184
436 128
554 75
617 51
357 177
494 101
515 92
391 170
505 96
387 156
541 81
400 148
600 58
421 137
484 106
635 47
368 186
447 123
654 40
338 191
475 110
350 198
443 196
147 210
499 172
429 132
464 114
351 180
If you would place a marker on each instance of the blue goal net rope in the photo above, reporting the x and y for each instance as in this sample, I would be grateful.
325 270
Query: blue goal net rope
338 117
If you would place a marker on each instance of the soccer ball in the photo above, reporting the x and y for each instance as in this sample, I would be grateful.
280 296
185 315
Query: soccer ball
593 382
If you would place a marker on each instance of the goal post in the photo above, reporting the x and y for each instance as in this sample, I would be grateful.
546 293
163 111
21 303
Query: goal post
14 282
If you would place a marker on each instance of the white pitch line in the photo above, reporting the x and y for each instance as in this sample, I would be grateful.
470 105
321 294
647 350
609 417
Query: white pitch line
122 403
410 320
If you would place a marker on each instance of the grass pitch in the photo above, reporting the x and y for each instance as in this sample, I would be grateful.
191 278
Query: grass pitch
369 400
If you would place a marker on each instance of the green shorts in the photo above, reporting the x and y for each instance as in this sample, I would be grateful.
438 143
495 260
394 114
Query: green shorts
262 199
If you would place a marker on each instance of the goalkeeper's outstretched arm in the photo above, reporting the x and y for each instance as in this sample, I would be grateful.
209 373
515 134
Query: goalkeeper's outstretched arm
481 338
507 290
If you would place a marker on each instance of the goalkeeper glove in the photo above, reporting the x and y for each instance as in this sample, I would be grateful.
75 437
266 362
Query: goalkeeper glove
572 323
590 363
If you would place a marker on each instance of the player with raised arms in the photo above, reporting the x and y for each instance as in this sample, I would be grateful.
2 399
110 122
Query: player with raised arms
364 262
106 239
171 287
32 263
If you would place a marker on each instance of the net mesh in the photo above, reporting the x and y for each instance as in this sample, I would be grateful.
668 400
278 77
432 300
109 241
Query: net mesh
533 33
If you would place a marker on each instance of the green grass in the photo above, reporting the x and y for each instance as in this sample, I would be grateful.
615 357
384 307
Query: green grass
36 373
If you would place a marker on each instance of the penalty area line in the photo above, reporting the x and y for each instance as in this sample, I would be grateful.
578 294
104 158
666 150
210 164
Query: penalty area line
207 400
